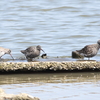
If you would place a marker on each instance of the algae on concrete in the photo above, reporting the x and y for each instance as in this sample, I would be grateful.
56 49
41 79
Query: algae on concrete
48 66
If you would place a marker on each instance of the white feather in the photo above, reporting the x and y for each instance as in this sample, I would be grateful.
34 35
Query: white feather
2 53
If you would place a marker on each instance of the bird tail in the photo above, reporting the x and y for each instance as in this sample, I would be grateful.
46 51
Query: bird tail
22 51
79 51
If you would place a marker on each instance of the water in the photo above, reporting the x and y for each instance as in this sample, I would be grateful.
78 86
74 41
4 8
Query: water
58 86
60 27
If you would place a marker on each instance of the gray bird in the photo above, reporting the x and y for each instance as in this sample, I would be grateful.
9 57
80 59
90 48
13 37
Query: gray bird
90 50
4 51
32 52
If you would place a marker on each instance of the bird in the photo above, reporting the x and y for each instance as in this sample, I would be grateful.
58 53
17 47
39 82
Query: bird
32 52
90 50
4 51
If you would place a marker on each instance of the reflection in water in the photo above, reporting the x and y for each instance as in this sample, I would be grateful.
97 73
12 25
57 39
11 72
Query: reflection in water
50 78
59 59
59 86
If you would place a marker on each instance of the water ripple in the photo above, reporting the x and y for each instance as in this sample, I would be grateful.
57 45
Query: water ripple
58 26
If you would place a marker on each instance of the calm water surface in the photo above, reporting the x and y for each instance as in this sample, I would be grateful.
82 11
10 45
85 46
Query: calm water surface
58 86
60 27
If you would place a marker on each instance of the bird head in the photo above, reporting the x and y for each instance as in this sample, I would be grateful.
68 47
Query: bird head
39 48
98 42
8 51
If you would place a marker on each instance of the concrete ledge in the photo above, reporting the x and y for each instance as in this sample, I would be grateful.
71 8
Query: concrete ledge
49 66
22 96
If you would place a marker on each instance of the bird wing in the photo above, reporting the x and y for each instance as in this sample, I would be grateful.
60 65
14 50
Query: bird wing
30 49
88 49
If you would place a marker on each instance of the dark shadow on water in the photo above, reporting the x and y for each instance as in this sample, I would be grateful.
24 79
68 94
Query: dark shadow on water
59 59
85 60
40 59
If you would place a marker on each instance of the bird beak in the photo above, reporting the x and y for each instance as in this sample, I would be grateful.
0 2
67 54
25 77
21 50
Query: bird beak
42 50
12 56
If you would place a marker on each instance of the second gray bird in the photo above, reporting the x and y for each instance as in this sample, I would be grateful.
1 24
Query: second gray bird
32 52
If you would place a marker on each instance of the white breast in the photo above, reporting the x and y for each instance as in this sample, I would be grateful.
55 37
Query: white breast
1 53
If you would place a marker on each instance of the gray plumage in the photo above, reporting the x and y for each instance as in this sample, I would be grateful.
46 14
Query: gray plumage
32 52
4 51
90 50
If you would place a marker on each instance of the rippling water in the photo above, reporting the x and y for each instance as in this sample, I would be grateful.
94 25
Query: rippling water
62 86
60 27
